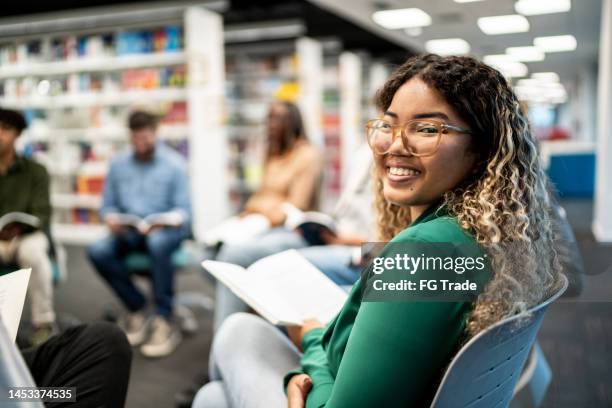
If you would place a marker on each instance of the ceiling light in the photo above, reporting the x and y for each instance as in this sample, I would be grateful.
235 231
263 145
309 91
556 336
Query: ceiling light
546 76
448 46
401 18
525 54
513 23
557 43
466 1
535 7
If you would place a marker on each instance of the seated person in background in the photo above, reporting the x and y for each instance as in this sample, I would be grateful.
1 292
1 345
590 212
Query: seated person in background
291 173
94 358
455 163
24 188
149 179
353 216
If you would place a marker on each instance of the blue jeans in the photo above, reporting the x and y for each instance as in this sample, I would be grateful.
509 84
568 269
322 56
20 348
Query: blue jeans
108 257
335 261
248 362
274 241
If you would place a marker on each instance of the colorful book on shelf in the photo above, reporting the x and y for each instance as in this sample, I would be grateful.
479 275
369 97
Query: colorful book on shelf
284 288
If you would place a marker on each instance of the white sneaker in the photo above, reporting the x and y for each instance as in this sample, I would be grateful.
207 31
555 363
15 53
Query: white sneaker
165 338
135 325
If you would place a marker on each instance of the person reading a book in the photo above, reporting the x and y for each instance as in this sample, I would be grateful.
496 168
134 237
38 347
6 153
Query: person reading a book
291 174
146 207
25 205
456 163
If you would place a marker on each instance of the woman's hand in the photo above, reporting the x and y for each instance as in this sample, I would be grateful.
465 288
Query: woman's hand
297 390
297 333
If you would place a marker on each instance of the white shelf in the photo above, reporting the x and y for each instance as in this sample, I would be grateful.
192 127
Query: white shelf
78 234
88 99
99 64
109 133
76 201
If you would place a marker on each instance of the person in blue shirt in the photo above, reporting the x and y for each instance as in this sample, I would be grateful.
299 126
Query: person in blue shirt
149 179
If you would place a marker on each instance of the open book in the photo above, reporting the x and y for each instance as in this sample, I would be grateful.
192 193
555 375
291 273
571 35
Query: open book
284 288
27 220
238 230
309 223
13 288
143 225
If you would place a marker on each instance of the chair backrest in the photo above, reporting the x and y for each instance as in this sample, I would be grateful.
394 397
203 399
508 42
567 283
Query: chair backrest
484 372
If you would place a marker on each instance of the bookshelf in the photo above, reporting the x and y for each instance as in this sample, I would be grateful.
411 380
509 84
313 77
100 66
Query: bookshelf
76 91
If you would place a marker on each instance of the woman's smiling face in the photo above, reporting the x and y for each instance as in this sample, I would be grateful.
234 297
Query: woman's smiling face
419 182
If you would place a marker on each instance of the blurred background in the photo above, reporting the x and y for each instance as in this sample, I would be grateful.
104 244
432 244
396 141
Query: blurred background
210 70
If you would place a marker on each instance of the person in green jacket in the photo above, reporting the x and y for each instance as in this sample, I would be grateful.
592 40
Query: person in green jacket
456 164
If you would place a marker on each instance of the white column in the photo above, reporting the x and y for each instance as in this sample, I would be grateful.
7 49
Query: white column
587 109
310 77
351 134
602 220
207 139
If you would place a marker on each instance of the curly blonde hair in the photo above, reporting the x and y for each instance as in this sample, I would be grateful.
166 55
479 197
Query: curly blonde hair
505 204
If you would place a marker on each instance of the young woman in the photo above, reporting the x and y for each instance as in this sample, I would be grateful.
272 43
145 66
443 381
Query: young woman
291 173
291 168
455 162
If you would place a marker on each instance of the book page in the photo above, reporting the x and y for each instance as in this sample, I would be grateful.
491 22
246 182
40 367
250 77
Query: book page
13 288
236 230
19 217
285 289
287 278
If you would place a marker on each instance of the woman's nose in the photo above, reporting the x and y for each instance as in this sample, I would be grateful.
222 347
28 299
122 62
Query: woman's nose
397 146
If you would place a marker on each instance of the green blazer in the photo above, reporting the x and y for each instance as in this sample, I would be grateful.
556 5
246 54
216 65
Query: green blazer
387 354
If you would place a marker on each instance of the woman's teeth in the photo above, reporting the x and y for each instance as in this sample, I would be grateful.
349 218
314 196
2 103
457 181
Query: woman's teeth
402 171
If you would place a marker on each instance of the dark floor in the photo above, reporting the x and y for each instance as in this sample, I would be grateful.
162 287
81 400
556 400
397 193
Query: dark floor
576 336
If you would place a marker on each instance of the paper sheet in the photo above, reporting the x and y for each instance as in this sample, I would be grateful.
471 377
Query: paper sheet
13 288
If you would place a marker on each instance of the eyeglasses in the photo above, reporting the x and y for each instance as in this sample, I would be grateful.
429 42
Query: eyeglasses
419 137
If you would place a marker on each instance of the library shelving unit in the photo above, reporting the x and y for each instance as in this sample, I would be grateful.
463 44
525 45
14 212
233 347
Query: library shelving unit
331 133
77 86
258 74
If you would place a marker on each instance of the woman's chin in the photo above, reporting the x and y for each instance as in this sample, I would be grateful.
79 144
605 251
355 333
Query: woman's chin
401 197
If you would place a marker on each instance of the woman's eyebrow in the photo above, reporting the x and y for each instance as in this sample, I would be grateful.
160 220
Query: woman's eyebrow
439 115
392 114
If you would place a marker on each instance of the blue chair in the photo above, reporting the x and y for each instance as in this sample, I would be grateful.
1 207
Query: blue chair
535 379
485 372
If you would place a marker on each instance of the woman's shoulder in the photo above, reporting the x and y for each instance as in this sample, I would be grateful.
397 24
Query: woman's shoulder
445 228
305 151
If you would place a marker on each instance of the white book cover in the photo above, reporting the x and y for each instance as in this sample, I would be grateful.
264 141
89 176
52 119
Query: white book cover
284 288
13 288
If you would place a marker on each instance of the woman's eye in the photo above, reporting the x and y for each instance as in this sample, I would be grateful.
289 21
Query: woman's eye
428 129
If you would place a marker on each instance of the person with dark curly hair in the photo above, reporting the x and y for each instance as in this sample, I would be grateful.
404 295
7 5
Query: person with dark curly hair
455 163
24 188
